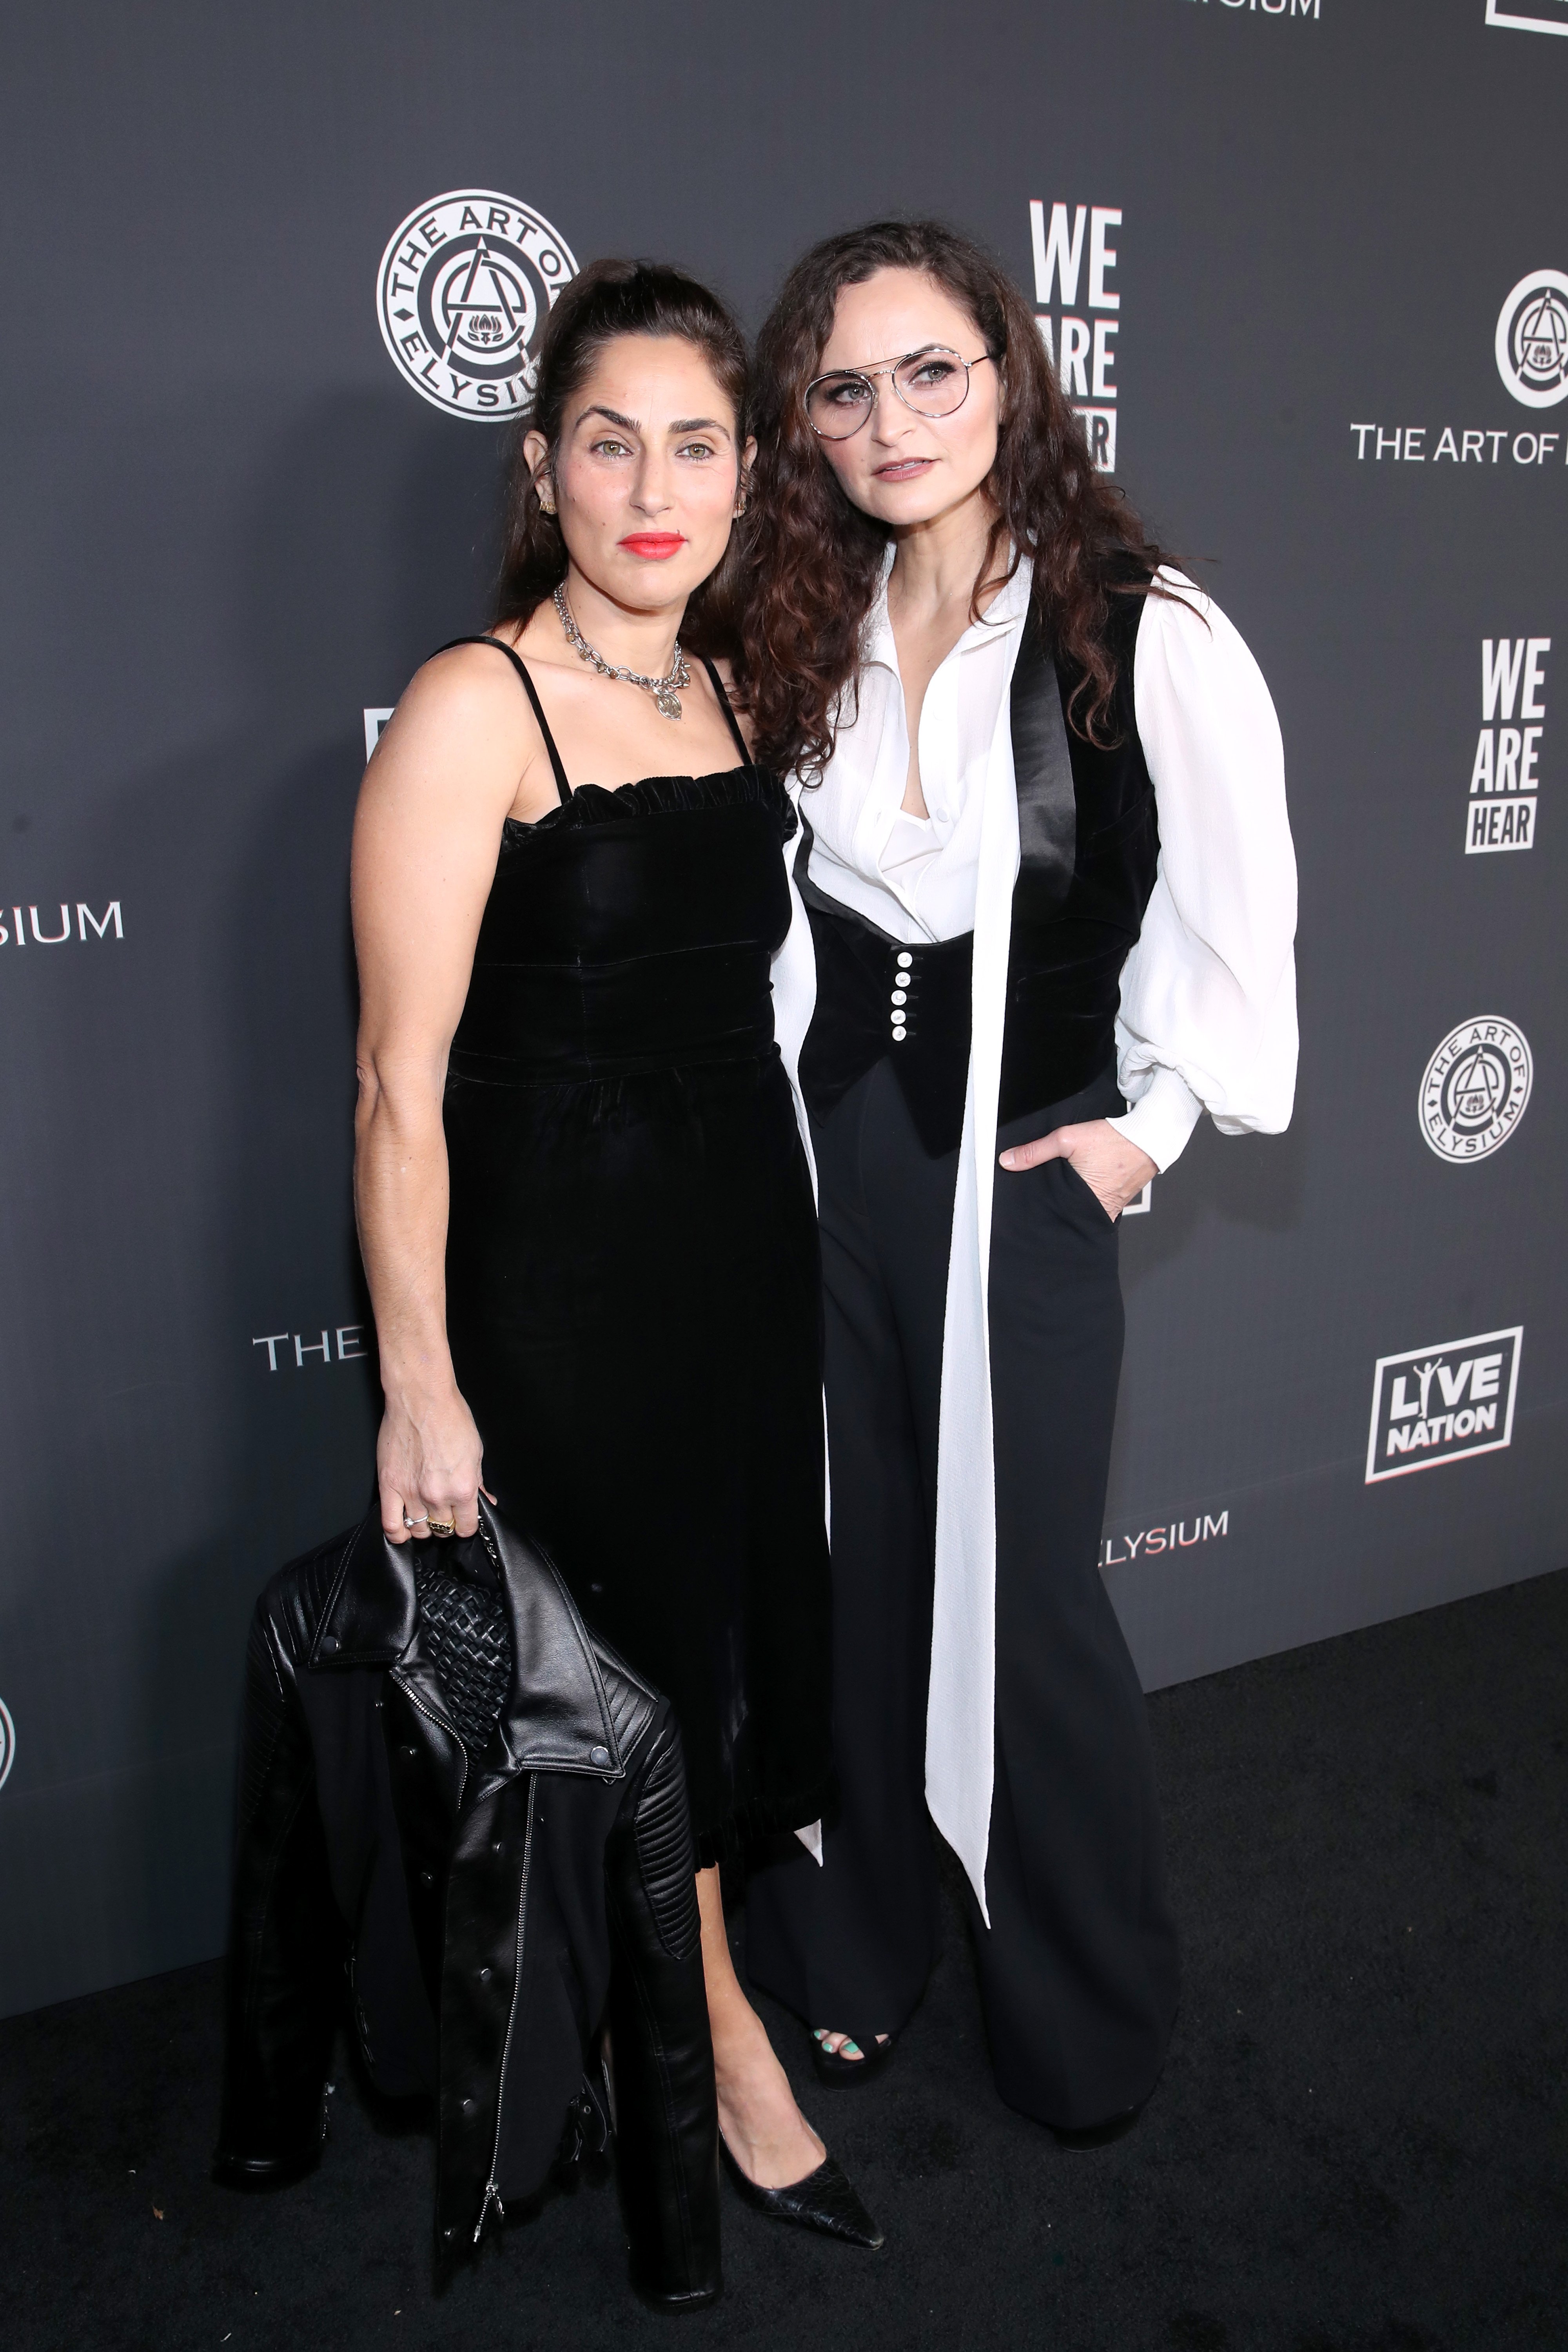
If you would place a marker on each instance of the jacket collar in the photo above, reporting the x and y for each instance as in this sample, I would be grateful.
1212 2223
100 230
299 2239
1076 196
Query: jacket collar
555 1717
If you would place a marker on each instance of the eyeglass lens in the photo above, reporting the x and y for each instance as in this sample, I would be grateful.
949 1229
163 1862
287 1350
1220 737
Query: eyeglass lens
933 383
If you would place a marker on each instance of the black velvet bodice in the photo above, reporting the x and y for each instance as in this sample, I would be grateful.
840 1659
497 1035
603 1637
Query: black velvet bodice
630 929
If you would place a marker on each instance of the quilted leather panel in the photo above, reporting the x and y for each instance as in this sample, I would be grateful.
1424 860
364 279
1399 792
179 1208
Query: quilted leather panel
665 1855
466 1632
631 1706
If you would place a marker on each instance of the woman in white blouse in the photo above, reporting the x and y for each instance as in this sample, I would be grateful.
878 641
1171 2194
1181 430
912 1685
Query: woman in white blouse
1052 898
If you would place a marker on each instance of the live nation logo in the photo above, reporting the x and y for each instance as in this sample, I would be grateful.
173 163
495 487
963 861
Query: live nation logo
1504 777
466 285
7 1743
1475 1089
1081 345
1437 1404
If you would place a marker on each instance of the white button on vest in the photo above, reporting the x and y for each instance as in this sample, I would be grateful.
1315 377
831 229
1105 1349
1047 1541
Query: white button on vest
905 959
901 995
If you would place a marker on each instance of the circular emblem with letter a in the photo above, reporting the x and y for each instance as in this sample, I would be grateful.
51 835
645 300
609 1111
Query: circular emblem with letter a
466 286
1532 341
1474 1089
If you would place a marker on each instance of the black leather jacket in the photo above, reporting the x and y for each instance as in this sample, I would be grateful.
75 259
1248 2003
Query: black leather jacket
495 1898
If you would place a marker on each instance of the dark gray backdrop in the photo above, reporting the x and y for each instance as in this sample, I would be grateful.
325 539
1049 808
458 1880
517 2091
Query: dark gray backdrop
233 527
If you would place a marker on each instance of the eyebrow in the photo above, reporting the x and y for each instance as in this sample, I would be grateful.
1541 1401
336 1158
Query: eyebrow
630 425
892 358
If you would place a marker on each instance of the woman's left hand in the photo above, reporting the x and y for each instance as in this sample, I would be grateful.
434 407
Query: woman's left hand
1114 1169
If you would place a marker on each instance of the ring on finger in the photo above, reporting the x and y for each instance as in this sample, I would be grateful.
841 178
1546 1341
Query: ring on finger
443 1527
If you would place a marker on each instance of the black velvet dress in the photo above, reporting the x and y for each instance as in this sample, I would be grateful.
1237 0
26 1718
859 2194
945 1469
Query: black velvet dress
633 1285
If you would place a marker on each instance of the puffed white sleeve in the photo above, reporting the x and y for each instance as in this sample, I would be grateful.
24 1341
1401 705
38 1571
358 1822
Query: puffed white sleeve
1207 1019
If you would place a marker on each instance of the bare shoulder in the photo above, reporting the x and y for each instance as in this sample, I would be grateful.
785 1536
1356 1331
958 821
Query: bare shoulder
464 732
472 683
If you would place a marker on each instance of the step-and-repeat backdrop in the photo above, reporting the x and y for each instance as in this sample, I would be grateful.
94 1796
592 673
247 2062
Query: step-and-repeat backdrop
274 278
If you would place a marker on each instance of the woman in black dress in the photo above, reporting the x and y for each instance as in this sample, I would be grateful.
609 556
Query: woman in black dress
585 1202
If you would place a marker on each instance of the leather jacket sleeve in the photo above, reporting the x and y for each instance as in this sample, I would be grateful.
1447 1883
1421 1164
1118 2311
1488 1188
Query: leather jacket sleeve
665 2112
285 1950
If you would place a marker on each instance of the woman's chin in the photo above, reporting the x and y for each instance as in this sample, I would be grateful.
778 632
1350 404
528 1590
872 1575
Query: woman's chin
905 506
642 585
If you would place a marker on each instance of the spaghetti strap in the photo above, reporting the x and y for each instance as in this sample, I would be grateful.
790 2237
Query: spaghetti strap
718 685
561 786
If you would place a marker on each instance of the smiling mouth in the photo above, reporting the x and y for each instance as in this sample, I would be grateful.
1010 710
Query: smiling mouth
904 469
657 545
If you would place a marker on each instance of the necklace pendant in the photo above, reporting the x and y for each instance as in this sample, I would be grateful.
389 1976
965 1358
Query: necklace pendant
664 690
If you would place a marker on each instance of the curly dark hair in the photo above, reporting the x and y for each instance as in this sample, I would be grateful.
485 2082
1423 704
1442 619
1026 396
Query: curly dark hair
606 300
814 558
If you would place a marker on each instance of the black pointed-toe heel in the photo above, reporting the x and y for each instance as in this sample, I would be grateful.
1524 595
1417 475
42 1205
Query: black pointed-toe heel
824 2200
836 2073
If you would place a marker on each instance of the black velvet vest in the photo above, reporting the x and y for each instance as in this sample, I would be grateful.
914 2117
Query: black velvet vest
1088 844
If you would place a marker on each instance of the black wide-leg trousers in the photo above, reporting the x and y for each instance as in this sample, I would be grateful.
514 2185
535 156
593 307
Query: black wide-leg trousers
1078 1967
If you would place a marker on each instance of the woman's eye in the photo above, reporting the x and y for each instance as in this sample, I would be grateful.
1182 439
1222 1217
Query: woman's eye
695 449
932 372
609 449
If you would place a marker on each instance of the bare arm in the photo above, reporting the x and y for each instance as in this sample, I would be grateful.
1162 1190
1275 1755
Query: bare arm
455 760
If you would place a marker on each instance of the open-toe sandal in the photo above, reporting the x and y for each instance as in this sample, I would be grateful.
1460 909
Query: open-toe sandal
836 2073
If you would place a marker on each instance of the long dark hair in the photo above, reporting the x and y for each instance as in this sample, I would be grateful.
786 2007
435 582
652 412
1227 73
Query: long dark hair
606 300
817 559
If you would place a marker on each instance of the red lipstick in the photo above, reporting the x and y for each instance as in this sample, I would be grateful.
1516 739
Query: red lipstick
658 546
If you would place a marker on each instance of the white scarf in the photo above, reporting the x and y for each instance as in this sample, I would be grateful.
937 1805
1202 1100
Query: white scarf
961 1710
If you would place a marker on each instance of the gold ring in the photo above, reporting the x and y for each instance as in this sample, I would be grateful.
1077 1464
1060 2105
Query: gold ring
443 1527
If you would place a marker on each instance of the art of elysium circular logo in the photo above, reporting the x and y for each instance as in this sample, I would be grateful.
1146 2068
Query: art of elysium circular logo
1532 340
466 286
7 1743
1475 1090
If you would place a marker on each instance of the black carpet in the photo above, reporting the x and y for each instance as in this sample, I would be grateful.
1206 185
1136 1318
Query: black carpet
1359 2144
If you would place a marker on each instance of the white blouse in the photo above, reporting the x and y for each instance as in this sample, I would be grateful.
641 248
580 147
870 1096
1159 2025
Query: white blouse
1207 1016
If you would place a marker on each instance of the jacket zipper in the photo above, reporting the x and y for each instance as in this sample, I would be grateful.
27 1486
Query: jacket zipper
492 2194
441 1725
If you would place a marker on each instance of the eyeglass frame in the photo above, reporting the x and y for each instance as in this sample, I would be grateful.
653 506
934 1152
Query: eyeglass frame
868 375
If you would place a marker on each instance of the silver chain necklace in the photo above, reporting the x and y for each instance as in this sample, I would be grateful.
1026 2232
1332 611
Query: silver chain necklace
666 691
